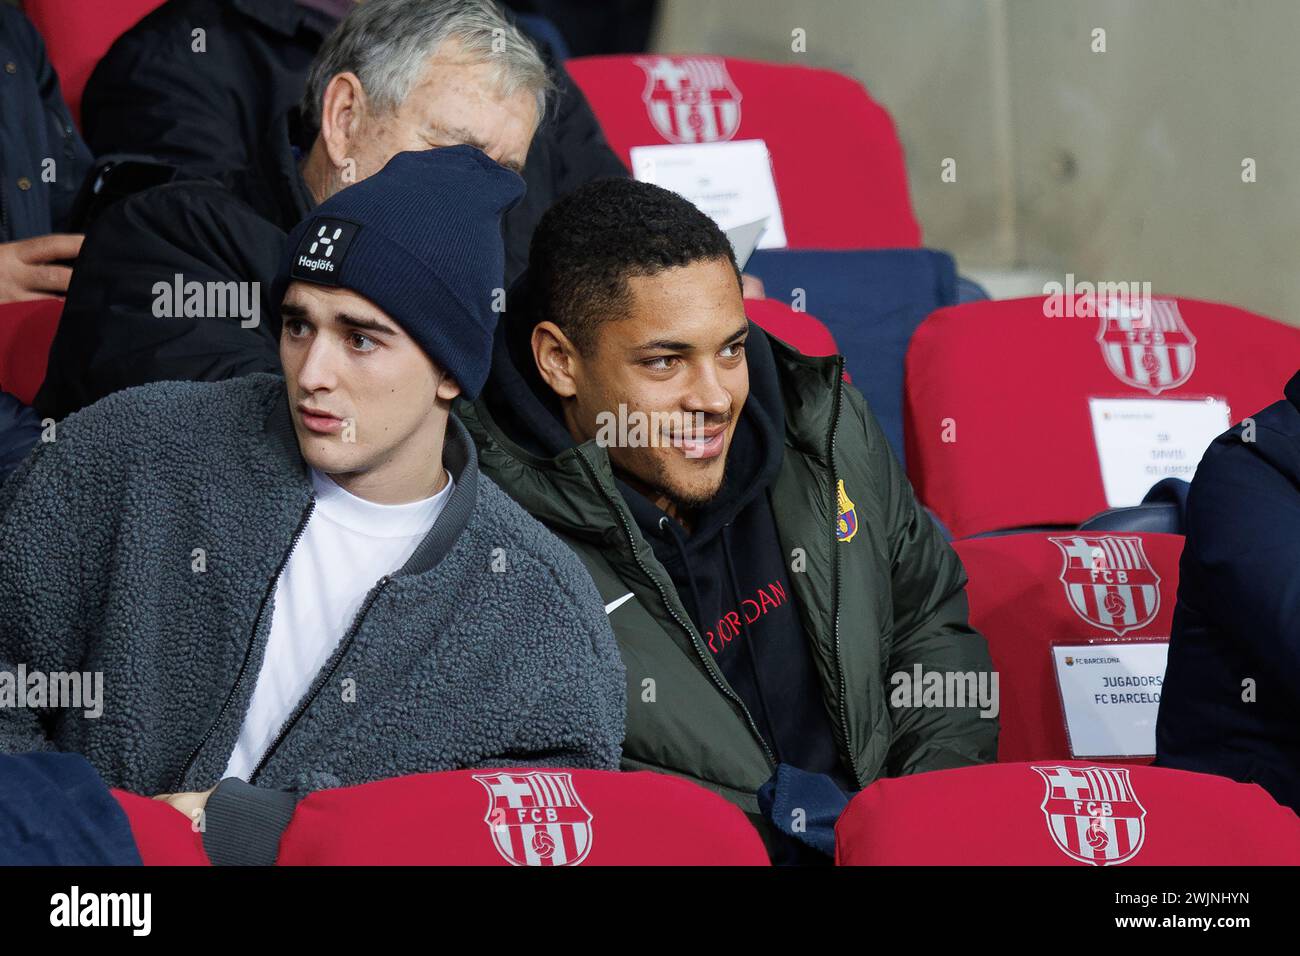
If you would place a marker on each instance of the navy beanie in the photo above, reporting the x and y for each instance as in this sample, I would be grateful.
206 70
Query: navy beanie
421 239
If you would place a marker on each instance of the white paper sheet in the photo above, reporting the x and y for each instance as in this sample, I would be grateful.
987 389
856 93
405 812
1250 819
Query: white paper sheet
731 181
1110 694
1143 440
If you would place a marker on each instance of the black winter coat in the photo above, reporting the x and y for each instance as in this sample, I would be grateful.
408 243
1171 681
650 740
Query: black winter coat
42 159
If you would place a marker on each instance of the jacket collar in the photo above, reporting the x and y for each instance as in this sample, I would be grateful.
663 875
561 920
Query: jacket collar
461 460
811 389
555 490
273 184
1293 390
284 16
458 457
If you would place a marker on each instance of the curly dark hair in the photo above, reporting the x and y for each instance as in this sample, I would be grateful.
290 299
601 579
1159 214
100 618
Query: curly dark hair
591 241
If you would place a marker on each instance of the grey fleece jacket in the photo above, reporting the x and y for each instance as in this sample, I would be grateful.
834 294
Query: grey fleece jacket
489 647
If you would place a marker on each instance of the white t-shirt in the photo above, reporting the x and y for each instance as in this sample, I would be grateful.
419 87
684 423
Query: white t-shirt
349 544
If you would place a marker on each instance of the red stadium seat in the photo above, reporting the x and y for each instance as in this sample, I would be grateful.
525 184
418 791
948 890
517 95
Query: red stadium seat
77 34
1065 814
487 818
26 331
163 835
841 186
1025 595
521 818
1011 384
797 329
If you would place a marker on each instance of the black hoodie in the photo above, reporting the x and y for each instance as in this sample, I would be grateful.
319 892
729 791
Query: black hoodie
729 571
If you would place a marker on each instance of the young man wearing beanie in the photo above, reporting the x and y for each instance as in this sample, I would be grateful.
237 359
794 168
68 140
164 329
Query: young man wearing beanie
769 572
297 583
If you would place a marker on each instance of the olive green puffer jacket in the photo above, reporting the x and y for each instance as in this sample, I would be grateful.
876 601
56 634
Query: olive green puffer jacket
878 589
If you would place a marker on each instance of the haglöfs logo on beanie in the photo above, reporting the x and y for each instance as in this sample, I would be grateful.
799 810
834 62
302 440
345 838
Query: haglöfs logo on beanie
320 253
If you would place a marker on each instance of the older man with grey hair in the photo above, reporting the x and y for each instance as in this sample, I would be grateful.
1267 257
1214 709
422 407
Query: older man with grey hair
173 282
400 75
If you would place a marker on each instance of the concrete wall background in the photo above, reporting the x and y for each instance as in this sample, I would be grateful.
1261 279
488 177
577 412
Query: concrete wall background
1120 165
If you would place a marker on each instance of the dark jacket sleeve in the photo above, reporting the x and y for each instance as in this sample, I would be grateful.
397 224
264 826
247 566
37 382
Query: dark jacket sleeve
1243 551
116 330
19 430
152 94
243 824
568 150
56 811
581 146
931 627
35 128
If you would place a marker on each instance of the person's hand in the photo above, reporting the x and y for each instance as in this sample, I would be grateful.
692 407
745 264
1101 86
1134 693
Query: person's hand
187 803
752 287
28 268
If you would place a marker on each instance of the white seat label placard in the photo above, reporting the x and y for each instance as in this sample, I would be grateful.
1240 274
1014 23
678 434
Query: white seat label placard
731 182
1141 441
1110 694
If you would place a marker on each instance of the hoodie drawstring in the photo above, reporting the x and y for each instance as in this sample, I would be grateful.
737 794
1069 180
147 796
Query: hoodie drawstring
665 528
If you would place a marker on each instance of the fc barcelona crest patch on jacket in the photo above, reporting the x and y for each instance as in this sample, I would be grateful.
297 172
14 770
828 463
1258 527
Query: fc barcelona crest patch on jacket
846 523
319 257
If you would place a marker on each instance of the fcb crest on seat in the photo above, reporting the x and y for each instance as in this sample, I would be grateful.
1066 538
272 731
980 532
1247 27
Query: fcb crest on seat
1108 580
690 99
1146 343
536 818
1093 814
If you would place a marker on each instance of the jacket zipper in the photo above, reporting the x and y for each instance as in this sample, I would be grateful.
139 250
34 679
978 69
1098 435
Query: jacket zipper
315 692
835 566
663 596
178 786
